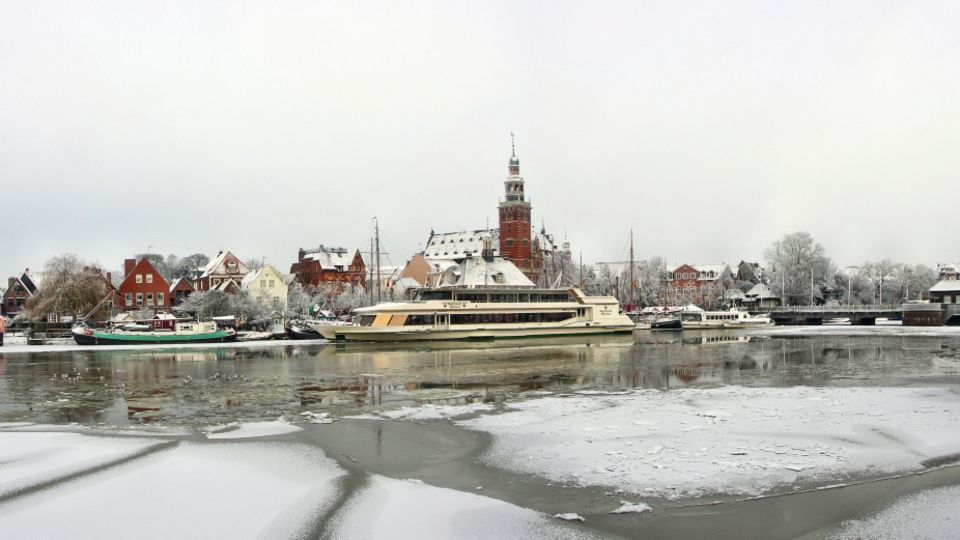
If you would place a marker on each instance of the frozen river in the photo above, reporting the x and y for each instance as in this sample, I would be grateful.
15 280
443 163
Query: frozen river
662 434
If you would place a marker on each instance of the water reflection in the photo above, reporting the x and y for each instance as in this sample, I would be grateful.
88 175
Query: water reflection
217 385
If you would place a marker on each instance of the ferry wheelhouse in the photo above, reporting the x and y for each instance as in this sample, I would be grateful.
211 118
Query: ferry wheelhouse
468 313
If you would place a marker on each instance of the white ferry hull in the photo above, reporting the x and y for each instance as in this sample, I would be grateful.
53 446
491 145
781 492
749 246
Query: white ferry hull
363 333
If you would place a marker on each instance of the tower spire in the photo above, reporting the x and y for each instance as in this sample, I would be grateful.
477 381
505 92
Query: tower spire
513 146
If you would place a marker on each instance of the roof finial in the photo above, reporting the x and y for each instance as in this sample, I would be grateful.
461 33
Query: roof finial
513 146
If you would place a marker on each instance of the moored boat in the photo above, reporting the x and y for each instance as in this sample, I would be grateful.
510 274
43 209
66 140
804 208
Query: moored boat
467 313
184 332
722 319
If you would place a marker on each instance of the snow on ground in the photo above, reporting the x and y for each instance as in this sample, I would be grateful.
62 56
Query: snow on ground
230 490
425 412
389 508
247 430
927 514
31 458
747 441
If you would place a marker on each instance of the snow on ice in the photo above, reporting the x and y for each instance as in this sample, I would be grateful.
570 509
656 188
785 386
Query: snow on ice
228 490
388 508
747 441
927 514
426 412
247 430
31 458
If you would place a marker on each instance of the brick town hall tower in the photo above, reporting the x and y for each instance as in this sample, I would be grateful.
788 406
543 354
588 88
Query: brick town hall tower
515 230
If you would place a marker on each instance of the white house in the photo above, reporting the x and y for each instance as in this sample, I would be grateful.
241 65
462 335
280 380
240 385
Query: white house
268 286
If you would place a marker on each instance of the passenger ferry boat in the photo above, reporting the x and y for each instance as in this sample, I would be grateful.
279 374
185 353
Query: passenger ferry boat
183 332
722 319
468 313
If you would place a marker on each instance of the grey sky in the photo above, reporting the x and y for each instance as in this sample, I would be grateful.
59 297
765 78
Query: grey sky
713 128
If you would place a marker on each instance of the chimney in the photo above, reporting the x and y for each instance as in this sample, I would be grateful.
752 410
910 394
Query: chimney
300 254
128 265
110 278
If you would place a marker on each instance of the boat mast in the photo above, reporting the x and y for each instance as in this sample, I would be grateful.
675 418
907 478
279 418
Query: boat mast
376 232
633 303
370 283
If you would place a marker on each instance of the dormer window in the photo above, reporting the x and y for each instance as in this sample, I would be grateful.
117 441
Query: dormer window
232 267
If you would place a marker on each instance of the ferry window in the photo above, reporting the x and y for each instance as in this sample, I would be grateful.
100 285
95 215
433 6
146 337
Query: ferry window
366 320
414 320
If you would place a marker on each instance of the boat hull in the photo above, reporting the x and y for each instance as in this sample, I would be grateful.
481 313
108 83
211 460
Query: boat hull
106 338
362 333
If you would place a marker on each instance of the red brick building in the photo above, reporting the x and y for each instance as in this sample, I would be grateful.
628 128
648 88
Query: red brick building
331 268
143 287
180 290
516 243
701 285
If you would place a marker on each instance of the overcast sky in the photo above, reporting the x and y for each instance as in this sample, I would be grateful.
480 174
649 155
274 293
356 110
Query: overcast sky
711 128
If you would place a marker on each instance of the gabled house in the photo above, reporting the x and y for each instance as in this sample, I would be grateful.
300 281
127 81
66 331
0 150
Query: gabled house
749 272
19 290
760 297
702 284
267 286
330 268
180 290
224 267
143 287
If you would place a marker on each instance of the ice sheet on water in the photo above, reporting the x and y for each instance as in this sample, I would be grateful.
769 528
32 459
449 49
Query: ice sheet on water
631 508
435 412
692 442
28 458
229 490
927 514
389 508
248 430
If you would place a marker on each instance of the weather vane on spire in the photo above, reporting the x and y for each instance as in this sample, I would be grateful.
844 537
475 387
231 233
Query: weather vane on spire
513 146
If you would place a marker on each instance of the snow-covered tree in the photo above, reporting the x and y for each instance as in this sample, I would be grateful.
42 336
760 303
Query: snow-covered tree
800 270
70 288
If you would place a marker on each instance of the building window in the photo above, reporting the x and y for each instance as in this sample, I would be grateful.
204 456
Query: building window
128 299
272 283
160 299
139 278
150 299
139 299
232 267
263 283
149 278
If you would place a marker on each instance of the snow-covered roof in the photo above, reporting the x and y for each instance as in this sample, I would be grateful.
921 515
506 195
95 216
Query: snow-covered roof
760 292
289 278
224 285
947 285
456 245
165 317
407 283
214 266
733 294
496 272
330 258
547 244
711 272
178 281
